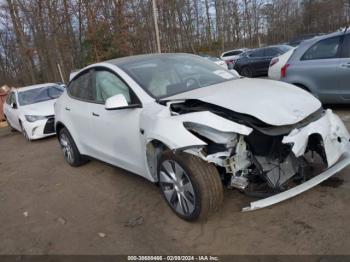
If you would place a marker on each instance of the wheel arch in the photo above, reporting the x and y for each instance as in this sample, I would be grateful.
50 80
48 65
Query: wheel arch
20 122
302 86
154 150
306 88
58 127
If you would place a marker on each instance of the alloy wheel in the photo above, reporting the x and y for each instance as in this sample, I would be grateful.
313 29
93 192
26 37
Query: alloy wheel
177 188
67 148
247 72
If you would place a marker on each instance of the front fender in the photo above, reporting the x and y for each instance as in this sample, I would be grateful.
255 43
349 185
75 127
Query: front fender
170 130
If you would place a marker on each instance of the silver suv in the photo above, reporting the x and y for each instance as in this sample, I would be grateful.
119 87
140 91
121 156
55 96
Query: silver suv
322 66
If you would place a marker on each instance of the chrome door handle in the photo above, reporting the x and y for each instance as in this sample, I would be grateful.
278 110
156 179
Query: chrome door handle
94 114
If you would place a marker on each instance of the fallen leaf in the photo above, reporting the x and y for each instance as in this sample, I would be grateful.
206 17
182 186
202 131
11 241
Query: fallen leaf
62 220
135 221
102 235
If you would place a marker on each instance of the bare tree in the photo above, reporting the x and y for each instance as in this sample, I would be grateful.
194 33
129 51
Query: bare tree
36 35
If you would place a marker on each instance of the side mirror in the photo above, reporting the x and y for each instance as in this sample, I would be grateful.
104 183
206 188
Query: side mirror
14 105
116 102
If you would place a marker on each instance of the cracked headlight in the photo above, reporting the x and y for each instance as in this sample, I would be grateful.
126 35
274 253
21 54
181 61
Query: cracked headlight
31 118
212 134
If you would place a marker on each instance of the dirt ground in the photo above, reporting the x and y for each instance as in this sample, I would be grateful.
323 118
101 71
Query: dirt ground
48 207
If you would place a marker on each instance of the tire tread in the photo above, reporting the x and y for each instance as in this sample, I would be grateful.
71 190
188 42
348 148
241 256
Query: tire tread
207 178
79 159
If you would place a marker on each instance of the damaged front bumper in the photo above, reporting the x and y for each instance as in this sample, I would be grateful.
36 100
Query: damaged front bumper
337 149
334 135
345 160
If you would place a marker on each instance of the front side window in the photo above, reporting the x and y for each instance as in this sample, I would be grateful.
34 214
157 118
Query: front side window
108 84
168 75
80 87
38 95
324 49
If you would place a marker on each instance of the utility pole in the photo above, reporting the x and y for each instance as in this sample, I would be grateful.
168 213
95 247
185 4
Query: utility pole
155 18
60 71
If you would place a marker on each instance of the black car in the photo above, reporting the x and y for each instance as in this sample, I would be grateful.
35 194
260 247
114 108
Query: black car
256 62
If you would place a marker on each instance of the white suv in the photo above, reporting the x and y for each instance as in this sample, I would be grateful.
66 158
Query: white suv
192 126
230 56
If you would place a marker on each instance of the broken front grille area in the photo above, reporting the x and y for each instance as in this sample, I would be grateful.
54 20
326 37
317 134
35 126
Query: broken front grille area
277 164
50 125
261 144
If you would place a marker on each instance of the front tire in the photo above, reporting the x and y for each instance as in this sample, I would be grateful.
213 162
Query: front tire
191 187
24 132
69 148
9 125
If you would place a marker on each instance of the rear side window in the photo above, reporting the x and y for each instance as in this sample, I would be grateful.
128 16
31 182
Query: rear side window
271 52
11 99
232 53
324 49
346 47
80 87
257 53
8 99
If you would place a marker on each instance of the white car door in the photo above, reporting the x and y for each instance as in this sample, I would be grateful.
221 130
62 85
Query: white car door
11 111
115 134
76 110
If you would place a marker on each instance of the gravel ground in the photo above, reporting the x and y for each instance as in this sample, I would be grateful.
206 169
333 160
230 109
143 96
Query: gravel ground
48 207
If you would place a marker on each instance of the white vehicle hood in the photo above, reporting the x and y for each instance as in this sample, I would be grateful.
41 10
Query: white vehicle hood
45 108
275 103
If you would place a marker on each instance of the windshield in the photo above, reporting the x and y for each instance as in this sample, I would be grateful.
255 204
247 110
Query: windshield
167 75
37 95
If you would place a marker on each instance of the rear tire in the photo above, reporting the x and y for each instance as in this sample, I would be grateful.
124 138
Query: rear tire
8 123
191 187
70 150
247 72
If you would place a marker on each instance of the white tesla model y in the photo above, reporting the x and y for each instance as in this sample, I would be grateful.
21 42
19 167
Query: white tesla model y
194 127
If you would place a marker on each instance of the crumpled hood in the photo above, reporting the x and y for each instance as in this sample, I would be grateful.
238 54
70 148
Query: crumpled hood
45 108
275 103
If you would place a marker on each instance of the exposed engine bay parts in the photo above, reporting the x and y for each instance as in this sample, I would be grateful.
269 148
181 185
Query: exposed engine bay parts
268 165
